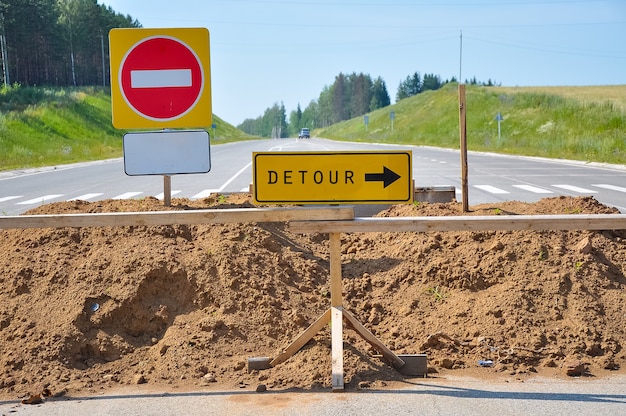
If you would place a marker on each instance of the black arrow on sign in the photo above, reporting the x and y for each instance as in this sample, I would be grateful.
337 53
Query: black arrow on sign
387 177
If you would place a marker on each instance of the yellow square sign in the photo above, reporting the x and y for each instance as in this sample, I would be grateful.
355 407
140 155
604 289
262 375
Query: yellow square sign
358 177
160 78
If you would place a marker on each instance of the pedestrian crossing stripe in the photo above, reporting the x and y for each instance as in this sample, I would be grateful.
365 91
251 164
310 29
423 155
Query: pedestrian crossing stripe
86 197
127 195
611 187
208 192
41 199
576 189
162 194
491 189
533 189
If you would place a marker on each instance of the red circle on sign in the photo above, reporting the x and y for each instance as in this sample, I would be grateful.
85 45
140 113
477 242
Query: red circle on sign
161 78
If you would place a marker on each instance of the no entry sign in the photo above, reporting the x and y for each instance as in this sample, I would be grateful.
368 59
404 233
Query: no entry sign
160 78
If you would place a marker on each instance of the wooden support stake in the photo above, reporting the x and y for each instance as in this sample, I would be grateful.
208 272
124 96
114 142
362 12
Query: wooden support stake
389 356
337 348
302 339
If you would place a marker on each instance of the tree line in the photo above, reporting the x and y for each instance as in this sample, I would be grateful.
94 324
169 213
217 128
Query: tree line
57 42
349 96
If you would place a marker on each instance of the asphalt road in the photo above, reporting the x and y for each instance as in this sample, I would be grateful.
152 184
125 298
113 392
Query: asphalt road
492 178
449 396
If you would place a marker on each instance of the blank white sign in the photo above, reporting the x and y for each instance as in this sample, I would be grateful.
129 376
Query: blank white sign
166 152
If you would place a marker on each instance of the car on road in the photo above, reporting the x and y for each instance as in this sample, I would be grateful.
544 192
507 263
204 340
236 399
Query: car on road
304 134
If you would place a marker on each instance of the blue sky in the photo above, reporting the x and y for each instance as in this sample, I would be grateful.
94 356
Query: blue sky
268 51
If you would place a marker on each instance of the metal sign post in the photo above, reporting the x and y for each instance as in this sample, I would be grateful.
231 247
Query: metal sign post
499 119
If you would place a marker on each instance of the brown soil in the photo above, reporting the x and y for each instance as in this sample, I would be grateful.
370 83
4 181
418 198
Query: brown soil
184 307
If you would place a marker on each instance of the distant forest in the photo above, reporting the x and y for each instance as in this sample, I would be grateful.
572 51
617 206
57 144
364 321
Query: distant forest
349 96
56 42
64 43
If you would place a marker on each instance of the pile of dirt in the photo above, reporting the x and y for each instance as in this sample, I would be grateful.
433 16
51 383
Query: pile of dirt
85 309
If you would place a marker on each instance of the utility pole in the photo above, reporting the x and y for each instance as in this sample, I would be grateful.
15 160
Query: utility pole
463 135
4 55
461 57
104 74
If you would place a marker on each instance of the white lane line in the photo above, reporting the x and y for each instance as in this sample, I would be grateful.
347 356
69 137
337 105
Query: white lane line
162 194
127 195
533 189
159 78
242 170
40 199
208 192
576 189
491 189
86 197
609 187
8 198
205 193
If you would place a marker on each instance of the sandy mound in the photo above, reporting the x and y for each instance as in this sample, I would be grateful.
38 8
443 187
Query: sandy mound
84 309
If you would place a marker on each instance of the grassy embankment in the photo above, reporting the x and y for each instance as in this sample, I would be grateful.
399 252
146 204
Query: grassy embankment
49 126
578 123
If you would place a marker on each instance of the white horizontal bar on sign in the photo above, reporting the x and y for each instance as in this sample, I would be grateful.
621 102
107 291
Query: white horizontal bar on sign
160 78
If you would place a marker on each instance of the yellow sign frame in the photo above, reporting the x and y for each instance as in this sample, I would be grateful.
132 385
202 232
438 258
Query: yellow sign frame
122 40
346 177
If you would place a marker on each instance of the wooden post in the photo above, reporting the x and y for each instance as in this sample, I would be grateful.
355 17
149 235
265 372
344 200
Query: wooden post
336 314
336 298
167 190
336 301
463 134
336 337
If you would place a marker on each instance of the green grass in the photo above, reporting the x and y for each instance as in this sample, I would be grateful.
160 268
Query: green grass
582 123
49 126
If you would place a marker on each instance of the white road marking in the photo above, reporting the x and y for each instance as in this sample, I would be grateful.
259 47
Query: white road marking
205 193
208 192
127 195
8 198
86 197
575 189
162 194
491 189
160 78
40 199
533 189
234 176
610 187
